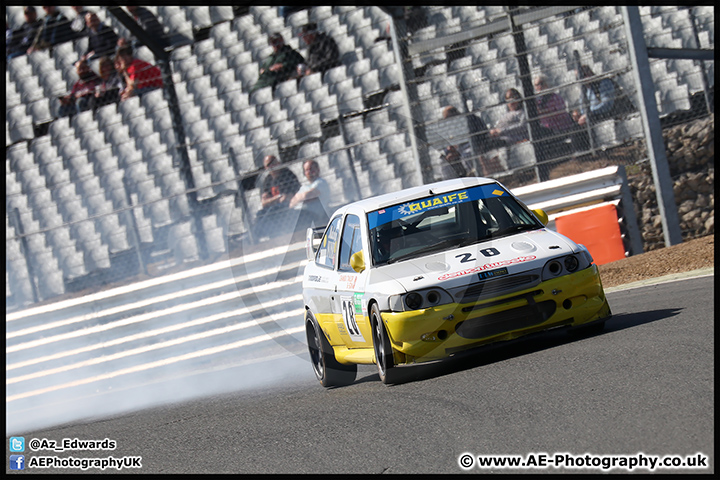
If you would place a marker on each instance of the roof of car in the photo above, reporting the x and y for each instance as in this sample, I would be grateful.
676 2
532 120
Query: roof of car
408 194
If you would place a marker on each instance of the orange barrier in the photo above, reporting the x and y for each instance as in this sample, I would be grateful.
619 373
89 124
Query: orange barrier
597 229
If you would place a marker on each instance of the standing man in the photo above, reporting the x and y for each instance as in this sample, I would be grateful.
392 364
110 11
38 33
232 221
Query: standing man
323 53
279 66
312 200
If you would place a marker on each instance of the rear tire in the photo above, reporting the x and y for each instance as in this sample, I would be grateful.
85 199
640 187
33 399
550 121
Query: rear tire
328 370
387 370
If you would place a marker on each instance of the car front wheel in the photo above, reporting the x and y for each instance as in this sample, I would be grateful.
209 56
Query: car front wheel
328 370
387 370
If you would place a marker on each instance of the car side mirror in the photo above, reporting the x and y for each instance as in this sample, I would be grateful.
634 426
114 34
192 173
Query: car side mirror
357 261
309 239
541 215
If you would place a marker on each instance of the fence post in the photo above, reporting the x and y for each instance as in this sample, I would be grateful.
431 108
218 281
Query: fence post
651 124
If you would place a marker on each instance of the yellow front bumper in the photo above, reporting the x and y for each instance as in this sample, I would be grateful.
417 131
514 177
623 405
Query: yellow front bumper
434 333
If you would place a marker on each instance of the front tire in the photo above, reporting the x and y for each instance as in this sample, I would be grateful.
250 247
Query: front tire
387 371
328 370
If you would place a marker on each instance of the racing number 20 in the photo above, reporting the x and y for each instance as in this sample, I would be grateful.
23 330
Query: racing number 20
348 313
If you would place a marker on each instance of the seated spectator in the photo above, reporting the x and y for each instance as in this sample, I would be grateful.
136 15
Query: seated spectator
456 162
322 53
23 38
55 29
78 25
312 200
558 127
82 95
278 185
149 23
551 108
599 96
281 65
110 85
140 76
480 143
101 38
512 127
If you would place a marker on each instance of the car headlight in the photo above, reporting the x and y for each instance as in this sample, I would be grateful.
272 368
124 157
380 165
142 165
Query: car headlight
566 265
413 300
426 298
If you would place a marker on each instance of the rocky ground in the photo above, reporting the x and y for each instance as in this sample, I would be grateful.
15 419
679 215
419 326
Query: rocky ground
689 255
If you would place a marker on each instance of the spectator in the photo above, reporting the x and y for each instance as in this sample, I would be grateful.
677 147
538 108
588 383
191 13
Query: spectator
82 95
23 38
312 200
598 98
55 29
140 76
512 127
322 53
78 24
455 161
557 124
551 109
281 65
149 23
278 185
101 38
479 139
110 85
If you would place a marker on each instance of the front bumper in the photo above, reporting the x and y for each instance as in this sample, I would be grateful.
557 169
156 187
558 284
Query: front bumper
437 332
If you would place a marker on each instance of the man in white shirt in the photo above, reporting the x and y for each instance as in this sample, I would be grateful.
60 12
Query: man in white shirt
312 200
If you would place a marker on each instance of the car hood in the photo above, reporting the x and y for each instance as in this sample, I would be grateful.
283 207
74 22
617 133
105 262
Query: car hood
460 266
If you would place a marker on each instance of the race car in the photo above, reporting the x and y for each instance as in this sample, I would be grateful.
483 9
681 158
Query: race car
431 271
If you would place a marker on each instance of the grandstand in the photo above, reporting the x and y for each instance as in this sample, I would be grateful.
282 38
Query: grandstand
97 197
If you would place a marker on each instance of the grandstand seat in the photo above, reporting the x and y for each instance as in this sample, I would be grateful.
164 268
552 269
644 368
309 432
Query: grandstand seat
350 101
308 127
183 243
310 82
309 150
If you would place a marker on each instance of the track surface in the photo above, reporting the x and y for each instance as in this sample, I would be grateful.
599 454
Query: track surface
646 384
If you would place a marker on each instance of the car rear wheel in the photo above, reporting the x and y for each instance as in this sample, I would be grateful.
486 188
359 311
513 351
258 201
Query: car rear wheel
387 370
328 370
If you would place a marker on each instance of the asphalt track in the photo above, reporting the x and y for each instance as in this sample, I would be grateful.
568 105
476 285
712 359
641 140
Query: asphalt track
645 386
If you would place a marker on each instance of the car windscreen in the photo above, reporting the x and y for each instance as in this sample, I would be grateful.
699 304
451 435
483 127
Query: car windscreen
449 220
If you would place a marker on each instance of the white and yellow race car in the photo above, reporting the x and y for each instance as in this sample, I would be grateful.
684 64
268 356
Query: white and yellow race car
430 271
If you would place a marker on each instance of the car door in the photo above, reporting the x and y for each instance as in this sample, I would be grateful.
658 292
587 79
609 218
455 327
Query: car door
321 277
354 325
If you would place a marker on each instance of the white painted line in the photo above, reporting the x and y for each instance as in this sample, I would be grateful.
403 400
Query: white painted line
151 333
159 363
138 318
156 346
675 277
98 296
141 303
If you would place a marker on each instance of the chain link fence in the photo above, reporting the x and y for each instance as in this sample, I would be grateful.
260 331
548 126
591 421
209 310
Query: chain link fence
175 177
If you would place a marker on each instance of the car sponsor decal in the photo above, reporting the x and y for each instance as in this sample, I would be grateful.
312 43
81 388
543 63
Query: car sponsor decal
349 318
492 273
317 278
349 280
487 266
385 215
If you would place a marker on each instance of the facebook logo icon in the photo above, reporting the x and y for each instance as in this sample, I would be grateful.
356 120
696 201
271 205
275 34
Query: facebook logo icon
17 462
